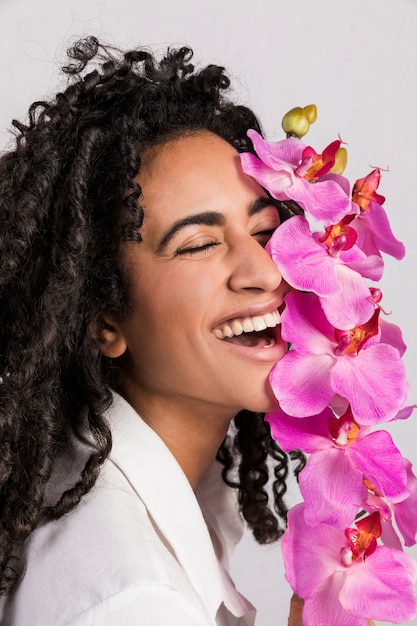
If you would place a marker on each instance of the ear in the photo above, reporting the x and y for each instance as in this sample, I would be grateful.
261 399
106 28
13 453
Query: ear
109 336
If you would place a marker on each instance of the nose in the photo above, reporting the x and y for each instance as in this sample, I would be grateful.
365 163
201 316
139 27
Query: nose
253 268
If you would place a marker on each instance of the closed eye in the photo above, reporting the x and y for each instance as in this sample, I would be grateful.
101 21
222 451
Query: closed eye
263 236
197 249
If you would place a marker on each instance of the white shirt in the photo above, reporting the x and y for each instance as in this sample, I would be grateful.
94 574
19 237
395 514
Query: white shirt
137 549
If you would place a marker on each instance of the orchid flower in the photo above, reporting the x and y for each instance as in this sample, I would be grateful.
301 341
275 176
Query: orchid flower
314 165
345 459
364 190
331 266
291 170
344 576
372 224
354 364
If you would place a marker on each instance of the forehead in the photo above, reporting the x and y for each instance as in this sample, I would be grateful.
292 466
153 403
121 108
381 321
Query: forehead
200 171
175 162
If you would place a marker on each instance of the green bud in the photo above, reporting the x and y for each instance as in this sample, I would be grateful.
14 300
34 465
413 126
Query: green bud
296 122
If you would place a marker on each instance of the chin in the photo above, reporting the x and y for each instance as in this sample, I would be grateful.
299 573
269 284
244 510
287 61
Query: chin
264 404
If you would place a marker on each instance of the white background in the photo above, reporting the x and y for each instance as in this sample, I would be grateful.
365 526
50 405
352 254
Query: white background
356 59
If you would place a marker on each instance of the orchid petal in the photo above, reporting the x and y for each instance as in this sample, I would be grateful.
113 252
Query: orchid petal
352 305
381 229
352 254
301 383
380 461
323 607
307 433
332 489
392 335
373 382
324 200
305 325
303 262
405 511
365 238
405 413
389 536
344 183
339 405
377 503
277 153
382 587
372 266
274 181
317 546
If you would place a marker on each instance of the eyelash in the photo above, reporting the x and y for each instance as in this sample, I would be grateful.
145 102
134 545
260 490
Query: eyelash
265 233
211 244
196 249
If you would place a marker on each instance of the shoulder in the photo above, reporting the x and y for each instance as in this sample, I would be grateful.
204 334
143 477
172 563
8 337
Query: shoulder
106 554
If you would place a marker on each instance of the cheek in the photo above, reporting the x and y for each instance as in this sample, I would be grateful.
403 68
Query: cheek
188 294
167 330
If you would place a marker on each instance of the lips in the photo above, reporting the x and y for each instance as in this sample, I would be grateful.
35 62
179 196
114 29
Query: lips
250 331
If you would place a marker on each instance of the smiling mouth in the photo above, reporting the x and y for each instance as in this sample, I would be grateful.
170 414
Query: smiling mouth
253 332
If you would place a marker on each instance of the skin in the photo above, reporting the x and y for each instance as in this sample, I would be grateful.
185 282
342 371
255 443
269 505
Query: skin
296 609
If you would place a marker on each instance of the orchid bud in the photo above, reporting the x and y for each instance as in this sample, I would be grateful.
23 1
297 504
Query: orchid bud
311 112
296 122
340 161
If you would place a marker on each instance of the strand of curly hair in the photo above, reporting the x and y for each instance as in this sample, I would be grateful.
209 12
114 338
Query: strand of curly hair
67 198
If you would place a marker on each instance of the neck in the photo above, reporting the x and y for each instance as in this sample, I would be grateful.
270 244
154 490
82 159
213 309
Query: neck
193 434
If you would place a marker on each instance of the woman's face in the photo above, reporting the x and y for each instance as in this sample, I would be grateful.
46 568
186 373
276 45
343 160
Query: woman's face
201 272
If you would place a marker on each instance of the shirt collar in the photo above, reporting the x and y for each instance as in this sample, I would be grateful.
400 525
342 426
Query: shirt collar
159 481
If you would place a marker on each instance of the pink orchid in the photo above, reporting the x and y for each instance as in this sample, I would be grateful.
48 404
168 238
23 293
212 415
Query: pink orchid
372 224
344 458
353 364
364 190
345 578
290 170
313 165
337 277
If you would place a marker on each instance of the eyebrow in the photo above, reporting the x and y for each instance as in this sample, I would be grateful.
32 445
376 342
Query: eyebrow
261 203
211 218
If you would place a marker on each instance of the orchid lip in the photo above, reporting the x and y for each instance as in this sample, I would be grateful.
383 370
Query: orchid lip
248 324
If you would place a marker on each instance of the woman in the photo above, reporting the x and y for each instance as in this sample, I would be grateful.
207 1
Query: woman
135 283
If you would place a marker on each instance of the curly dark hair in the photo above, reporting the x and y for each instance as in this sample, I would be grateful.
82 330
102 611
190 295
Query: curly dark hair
68 196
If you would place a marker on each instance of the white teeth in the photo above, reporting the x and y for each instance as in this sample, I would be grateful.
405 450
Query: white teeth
247 325
259 323
237 327
227 331
269 320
